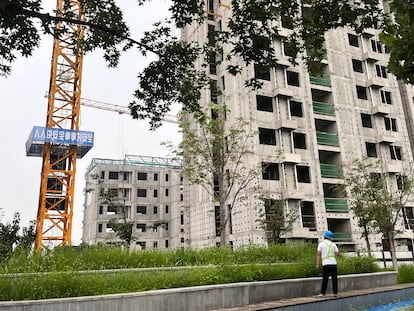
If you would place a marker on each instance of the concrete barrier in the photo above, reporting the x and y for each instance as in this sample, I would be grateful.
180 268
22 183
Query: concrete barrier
203 298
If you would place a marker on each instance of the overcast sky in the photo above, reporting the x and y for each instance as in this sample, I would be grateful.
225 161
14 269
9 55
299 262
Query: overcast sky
24 106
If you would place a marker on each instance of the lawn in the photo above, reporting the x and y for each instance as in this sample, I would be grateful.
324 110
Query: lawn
86 271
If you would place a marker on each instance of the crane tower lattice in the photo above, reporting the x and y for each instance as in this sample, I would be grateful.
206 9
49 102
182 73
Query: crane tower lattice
61 142
59 146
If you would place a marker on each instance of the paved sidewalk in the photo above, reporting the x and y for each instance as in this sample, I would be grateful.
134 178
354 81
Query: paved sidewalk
271 305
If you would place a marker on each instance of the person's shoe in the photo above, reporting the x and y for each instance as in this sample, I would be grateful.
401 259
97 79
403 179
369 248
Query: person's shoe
335 295
321 295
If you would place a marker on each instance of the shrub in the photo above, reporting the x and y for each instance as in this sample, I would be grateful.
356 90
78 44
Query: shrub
357 264
405 274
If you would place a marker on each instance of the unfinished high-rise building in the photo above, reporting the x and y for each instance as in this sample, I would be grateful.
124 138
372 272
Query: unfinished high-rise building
309 127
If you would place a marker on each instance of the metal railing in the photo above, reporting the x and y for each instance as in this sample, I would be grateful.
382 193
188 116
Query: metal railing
323 108
330 171
327 139
342 236
336 205
324 80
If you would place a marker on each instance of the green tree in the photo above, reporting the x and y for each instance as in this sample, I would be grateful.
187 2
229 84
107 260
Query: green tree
363 187
121 224
398 40
172 77
377 199
214 155
276 220
28 235
390 210
10 236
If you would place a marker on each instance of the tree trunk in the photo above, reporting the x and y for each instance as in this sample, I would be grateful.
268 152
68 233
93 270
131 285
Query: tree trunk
223 233
366 236
393 252
223 214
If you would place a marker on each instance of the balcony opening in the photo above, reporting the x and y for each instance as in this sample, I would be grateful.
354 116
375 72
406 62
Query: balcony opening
371 150
141 227
381 71
267 136
330 157
362 92
141 193
292 78
321 78
385 97
408 215
299 140
353 40
395 152
295 108
264 103
142 176
321 96
261 73
325 126
366 120
141 209
303 174
341 229
390 124
357 65
270 171
112 175
308 215
376 46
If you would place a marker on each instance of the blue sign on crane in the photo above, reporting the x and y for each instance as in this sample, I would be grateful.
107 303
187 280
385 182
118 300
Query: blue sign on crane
40 135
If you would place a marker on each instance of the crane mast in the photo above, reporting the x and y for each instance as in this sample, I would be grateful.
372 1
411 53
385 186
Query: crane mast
60 143
56 197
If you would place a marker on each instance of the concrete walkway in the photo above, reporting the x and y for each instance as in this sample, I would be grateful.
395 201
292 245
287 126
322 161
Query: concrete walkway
350 300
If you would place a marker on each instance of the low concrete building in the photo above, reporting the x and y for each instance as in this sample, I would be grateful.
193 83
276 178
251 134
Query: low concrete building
149 188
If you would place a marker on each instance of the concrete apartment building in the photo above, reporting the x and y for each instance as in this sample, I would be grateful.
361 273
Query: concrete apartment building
309 127
151 190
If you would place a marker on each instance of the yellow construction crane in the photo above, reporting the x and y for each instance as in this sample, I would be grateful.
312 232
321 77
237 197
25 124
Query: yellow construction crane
60 142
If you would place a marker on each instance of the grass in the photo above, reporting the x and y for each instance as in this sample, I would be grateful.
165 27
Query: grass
99 258
405 274
57 274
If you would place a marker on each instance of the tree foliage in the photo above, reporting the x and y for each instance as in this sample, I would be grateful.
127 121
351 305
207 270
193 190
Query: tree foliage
214 156
172 78
398 40
364 188
22 23
377 200
13 235
276 220
121 224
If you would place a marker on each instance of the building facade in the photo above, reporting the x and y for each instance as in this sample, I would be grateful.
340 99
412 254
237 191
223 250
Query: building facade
150 190
309 128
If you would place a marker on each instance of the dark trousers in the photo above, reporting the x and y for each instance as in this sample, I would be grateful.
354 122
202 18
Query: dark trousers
329 270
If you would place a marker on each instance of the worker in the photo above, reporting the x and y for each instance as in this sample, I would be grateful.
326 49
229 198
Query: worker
327 252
